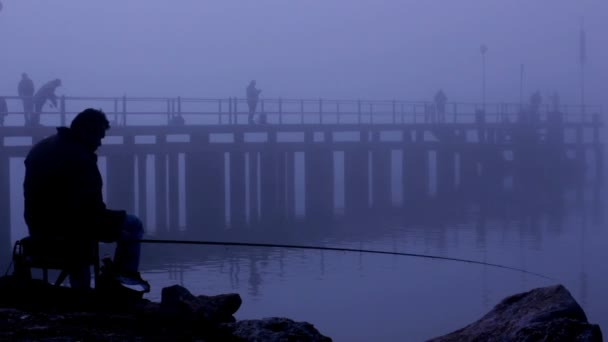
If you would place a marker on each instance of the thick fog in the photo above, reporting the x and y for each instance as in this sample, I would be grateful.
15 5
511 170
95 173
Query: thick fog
392 49
510 207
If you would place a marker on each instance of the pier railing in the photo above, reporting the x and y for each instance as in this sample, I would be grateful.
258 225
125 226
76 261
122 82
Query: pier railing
125 111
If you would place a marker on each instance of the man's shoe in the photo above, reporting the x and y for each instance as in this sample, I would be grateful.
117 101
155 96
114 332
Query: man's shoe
134 282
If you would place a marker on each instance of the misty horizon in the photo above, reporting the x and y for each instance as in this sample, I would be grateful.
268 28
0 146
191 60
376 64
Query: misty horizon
344 50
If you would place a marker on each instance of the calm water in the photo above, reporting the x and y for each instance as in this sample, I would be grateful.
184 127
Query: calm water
363 297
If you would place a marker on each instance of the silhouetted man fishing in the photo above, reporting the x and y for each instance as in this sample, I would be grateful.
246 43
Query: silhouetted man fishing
63 199
45 93
253 95
25 89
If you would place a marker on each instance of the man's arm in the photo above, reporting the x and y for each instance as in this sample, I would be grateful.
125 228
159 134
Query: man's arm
103 224
53 98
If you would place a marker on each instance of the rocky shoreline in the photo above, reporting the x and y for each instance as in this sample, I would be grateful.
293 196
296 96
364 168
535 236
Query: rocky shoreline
35 311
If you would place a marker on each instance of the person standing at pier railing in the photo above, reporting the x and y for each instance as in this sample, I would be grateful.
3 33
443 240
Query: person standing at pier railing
25 89
440 102
46 92
253 96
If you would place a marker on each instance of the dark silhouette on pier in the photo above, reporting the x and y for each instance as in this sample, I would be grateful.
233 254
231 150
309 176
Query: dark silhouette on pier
25 90
440 102
44 94
253 95
63 199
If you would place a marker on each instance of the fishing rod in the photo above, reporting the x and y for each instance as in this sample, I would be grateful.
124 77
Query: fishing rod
339 249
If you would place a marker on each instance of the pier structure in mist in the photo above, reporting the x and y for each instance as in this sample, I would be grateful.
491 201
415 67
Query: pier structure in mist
315 160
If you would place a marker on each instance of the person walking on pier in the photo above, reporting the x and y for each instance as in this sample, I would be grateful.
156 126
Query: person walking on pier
253 96
440 102
63 199
25 89
46 92
3 110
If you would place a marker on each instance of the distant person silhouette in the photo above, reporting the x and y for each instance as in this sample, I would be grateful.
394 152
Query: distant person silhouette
440 102
25 89
253 96
63 198
3 110
45 93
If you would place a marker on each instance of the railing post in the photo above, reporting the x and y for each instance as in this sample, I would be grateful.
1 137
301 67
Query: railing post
359 111
301 111
280 110
62 110
116 111
321 111
168 111
338 110
263 116
230 110
371 113
124 110
394 112
179 106
235 119
219 111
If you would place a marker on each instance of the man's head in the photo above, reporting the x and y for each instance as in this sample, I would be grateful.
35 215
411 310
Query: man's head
57 82
252 82
24 76
90 127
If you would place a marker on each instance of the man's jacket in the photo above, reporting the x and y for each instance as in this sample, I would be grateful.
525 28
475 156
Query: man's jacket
26 88
62 191
46 92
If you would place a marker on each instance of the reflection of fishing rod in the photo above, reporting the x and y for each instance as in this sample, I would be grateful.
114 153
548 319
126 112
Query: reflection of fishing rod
339 249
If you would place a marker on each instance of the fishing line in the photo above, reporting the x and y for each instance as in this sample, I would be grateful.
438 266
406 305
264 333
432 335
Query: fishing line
341 249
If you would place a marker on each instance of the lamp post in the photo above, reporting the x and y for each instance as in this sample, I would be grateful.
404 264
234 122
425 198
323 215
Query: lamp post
483 49
521 85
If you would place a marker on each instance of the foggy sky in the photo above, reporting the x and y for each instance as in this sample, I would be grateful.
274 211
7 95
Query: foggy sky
391 49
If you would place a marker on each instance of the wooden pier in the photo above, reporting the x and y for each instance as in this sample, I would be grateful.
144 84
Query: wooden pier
316 160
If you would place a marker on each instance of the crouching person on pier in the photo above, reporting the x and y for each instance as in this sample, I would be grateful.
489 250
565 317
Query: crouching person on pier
64 202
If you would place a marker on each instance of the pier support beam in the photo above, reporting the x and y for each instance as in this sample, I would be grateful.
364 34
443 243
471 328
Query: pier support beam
5 210
173 191
272 187
160 179
319 183
356 181
254 205
415 174
446 171
381 178
238 217
205 191
142 188
121 182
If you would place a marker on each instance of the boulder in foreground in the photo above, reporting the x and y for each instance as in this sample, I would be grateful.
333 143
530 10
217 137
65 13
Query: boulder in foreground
542 314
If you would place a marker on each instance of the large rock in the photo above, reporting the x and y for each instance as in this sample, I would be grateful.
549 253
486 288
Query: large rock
179 303
275 329
543 314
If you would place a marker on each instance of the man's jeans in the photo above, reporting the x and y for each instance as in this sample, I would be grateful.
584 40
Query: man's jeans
126 257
